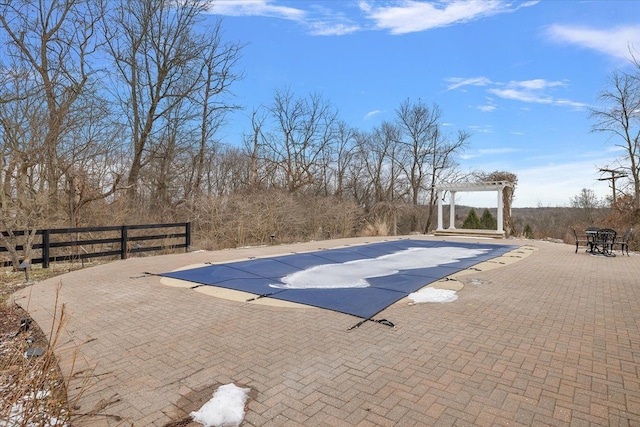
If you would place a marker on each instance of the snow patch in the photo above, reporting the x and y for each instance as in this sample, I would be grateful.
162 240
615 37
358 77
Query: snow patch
224 409
433 295
20 411
354 274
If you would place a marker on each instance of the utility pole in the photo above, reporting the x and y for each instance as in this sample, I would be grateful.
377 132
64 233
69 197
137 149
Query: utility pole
614 175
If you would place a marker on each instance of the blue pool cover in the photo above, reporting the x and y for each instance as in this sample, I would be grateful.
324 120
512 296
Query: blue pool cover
264 276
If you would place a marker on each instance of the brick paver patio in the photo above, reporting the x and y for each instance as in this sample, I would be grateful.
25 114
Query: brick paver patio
550 340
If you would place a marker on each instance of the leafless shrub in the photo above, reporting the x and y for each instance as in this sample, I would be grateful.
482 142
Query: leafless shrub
378 227
33 391
269 216
622 217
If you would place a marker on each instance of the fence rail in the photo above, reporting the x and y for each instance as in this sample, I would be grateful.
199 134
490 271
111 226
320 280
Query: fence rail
115 241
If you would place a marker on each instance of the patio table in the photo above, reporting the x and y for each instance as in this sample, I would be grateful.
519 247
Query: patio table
601 241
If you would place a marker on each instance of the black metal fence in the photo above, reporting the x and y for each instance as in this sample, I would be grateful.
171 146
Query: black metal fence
97 242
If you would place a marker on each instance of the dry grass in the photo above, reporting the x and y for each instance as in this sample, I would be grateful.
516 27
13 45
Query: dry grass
32 387
33 391
378 227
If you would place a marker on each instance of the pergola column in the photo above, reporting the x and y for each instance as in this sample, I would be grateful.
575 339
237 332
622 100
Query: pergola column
439 196
500 211
452 211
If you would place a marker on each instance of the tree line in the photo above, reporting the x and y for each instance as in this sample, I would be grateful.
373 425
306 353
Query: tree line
112 111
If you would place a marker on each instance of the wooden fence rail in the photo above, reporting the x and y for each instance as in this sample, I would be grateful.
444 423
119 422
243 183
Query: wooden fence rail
114 241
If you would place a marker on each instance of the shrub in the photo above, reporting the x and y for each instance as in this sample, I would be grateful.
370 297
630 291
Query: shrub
472 221
488 221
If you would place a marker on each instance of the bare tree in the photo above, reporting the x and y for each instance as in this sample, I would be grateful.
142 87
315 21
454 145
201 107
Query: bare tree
159 66
357 185
20 207
442 166
50 44
419 125
21 143
45 58
87 158
588 205
167 158
227 171
217 74
619 116
426 152
378 152
255 147
303 129
345 149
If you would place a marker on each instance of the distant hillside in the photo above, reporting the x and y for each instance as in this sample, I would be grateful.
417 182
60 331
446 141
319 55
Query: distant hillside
546 222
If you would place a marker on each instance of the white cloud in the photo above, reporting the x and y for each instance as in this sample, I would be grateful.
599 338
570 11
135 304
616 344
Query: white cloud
614 42
488 152
256 8
536 91
567 102
458 82
324 28
486 108
533 91
482 129
536 97
413 15
521 95
535 84
372 114
323 21
503 150
319 21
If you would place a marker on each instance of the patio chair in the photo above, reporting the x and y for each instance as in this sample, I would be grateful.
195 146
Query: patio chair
624 241
581 240
605 241
592 238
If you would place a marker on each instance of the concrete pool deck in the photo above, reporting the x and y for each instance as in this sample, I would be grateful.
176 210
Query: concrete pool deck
552 339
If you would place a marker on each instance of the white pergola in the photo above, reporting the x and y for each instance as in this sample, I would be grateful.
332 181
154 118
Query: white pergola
453 188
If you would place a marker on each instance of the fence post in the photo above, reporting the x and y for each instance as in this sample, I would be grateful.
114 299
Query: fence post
187 238
45 248
123 242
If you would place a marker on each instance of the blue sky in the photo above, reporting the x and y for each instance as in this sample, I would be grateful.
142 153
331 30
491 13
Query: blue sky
519 76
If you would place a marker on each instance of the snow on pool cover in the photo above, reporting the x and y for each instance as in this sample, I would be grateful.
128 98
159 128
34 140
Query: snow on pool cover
356 280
